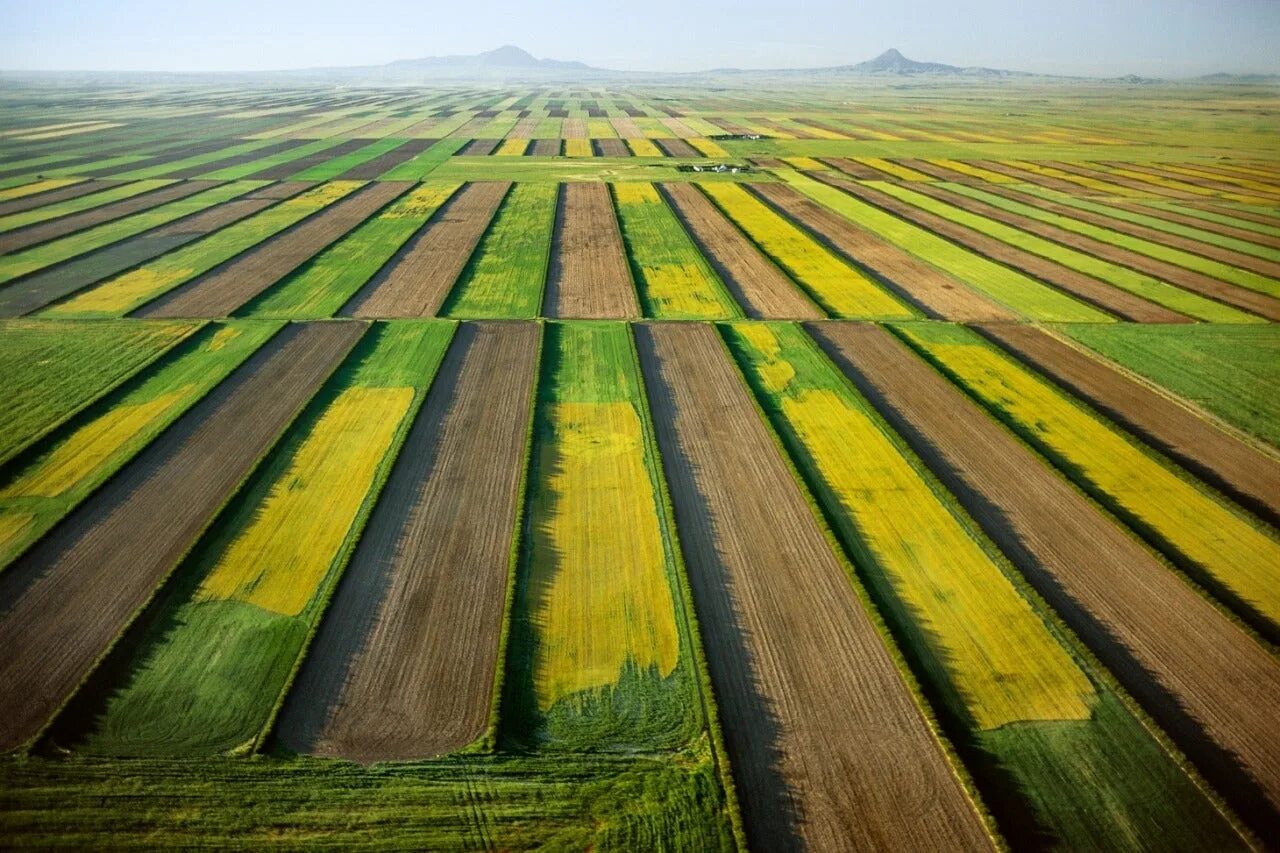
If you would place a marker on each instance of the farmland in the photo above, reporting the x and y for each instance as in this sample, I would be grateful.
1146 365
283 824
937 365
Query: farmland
649 466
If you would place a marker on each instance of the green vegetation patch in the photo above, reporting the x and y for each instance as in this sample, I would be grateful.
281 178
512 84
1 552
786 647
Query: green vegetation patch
506 276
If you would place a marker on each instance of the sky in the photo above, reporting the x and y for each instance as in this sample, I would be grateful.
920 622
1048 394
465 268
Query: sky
1167 38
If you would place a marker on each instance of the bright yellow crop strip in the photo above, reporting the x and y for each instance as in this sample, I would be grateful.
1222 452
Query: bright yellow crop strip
599 562
975 171
644 148
12 528
1087 183
707 147
282 556
37 187
1225 545
577 148
1194 189
512 148
841 289
891 168
994 649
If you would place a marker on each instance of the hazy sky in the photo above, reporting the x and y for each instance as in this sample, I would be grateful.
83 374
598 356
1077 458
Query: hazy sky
1103 37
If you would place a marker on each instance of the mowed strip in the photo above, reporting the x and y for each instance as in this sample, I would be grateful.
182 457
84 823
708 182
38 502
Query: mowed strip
325 283
842 290
132 289
224 290
41 288
259 583
674 279
418 280
589 275
828 747
756 283
1234 466
68 598
993 658
933 291
1173 650
404 663
1224 549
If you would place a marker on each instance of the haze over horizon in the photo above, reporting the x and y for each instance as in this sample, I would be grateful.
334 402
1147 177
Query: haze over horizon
1165 38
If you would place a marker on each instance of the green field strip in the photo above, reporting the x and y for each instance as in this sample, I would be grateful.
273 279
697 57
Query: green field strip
419 167
260 580
27 261
598 659
1139 284
161 169
673 279
1221 546
1175 228
1232 372
839 288
51 371
244 170
338 165
31 187
49 481
1168 254
507 274
1008 287
79 204
325 283
1212 216
124 293
993 659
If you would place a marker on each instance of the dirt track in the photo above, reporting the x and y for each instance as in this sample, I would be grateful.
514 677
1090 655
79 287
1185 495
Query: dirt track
762 289
1101 294
1230 464
828 748
45 231
68 598
226 288
403 665
417 281
925 286
1211 686
589 275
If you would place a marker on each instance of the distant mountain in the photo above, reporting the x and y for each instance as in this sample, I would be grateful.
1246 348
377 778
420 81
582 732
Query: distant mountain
891 63
507 57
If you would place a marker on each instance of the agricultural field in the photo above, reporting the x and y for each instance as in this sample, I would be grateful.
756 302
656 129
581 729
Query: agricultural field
641 466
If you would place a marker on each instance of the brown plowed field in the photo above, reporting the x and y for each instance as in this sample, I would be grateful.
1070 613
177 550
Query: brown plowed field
61 227
234 283
478 148
370 169
170 156
1195 222
417 281
611 148
1113 299
39 289
67 599
404 663
1218 185
1230 464
677 148
30 202
1213 687
236 160
589 275
933 291
1186 244
762 289
1240 297
1059 184
280 171
853 168
942 173
544 148
828 748
1120 180
626 128
574 128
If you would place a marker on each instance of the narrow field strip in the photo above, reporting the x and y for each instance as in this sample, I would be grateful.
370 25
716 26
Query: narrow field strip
417 280
1180 518
778 615
507 273
599 659
1202 219
1131 281
337 167
46 485
589 275
1173 650
227 288
326 282
997 663
674 280
260 582
105 560
42 191
127 292
80 204
1009 287
840 289
404 663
